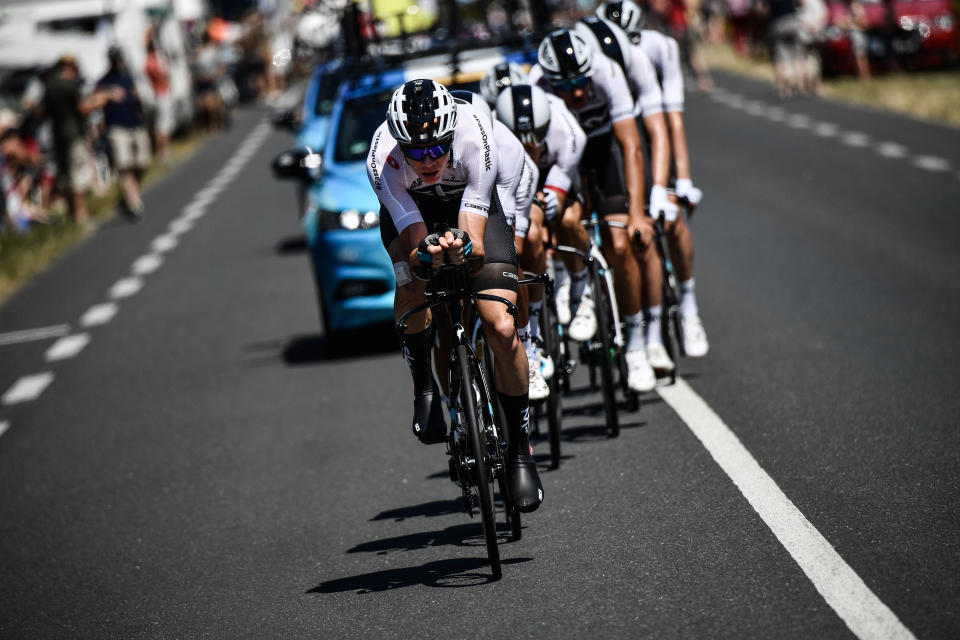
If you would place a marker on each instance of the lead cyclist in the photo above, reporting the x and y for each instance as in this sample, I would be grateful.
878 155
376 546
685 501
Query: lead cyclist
433 165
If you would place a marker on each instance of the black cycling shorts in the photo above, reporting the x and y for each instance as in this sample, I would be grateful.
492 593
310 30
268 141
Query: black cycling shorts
602 162
500 254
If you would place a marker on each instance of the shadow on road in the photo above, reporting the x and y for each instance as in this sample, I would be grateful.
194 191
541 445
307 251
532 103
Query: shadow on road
428 509
292 246
469 534
310 349
455 572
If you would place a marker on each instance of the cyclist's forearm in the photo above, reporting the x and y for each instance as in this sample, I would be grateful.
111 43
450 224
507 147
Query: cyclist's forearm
678 138
659 148
412 235
475 225
629 138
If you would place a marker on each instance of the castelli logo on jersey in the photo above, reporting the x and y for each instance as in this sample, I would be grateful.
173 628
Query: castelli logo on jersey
393 162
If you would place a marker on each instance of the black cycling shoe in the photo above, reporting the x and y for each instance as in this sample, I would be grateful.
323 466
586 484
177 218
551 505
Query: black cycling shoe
429 424
524 482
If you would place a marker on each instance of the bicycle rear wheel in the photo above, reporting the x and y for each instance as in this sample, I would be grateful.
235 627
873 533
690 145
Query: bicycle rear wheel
605 338
470 393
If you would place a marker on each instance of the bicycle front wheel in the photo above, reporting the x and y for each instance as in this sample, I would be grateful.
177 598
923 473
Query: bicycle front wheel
549 329
604 336
469 396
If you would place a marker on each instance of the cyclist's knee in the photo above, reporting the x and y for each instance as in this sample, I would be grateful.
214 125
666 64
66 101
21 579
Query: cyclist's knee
501 333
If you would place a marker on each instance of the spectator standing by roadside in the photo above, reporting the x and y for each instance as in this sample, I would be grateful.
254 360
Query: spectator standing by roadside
126 133
67 110
158 73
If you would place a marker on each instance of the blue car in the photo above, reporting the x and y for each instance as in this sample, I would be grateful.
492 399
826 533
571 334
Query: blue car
341 214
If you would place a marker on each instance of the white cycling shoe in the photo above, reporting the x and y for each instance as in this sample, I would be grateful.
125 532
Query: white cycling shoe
658 358
538 388
640 375
583 326
546 364
563 303
695 342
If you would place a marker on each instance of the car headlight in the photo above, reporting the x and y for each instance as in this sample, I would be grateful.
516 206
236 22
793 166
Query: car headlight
943 21
350 219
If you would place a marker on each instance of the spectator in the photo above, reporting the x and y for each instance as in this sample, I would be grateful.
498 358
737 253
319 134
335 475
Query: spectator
17 178
67 110
783 30
126 133
206 74
158 73
856 25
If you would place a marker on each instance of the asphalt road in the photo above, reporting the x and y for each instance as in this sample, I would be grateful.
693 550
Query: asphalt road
205 465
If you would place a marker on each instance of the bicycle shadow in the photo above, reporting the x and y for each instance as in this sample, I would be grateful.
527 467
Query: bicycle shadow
426 510
450 573
317 348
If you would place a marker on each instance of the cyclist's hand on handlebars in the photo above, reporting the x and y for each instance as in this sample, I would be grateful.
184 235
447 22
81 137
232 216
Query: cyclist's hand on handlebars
660 204
686 191
548 198
453 246
642 230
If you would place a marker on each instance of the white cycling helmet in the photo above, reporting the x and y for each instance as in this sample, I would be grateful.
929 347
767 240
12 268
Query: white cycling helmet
564 55
421 112
503 75
462 96
607 38
526 111
627 14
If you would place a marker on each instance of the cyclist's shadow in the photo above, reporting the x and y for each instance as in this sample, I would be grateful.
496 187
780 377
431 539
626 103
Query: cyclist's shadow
460 535
453 572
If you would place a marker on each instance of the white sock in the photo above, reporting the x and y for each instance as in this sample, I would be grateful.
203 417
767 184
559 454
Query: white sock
634 325
535 319
688 299
524 334
653 324
560 274
578 282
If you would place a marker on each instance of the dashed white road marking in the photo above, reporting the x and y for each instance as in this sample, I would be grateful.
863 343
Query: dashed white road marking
799 121
180 226
147 263
193 211
756 108
855 139
826 129
29 335
27 388
4 426
777 114
99 314
931 163
892 150
858 607
67 347
164 243
126 287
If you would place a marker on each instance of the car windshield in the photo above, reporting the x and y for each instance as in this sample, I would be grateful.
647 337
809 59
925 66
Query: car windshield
359 119
326 92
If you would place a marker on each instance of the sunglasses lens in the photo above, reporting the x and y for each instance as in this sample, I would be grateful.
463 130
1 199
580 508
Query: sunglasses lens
419 153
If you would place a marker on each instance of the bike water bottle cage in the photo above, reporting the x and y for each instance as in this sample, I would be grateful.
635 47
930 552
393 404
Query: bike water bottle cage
435 151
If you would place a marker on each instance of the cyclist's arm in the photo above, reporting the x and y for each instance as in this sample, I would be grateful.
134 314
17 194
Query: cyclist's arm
678 138
628 136
656 126
567 138
479 157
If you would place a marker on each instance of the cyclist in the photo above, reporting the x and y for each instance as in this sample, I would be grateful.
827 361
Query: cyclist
608 39
516 180
594 88
433 166
500 77
554 140
663 52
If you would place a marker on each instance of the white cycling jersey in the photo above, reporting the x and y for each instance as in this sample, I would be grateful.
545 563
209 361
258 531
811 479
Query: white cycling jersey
526 191
608 97
469 176
510 155
562 147
664 52
644 84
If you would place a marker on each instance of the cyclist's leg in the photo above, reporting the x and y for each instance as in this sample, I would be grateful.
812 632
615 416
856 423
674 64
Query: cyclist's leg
681 251
429 424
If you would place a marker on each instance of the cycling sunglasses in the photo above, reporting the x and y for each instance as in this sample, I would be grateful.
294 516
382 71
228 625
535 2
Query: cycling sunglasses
569 85
419 153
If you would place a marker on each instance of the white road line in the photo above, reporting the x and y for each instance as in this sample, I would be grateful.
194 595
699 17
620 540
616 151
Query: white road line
756 108
855 139
29 335
799 121
67 347
193 211
147 263
180 226
164 243
861 610
27 388
777 114
826 129
99 314
126 287
892 150
4 426
931 163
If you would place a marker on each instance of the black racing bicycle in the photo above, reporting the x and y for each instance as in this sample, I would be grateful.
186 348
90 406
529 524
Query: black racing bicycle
476 444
